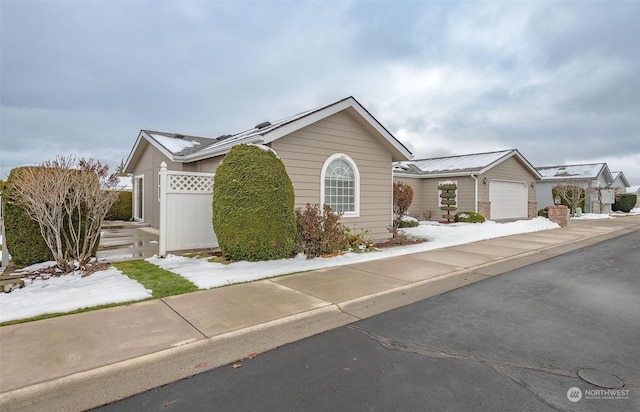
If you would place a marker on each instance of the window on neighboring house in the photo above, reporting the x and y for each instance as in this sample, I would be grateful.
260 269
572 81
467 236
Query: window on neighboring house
340 181
138 200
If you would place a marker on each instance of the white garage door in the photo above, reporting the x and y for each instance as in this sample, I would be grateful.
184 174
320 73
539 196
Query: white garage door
508 200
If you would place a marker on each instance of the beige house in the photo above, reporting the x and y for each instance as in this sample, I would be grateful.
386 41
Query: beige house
337 154
498 185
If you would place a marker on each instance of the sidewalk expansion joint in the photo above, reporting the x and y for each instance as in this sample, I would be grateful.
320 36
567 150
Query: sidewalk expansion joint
337 305
185 319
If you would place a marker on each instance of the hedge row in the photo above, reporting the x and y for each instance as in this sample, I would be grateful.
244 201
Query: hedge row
23 237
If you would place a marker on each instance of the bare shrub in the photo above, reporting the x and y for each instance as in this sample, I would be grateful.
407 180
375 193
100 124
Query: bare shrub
402 198
69 199
319 233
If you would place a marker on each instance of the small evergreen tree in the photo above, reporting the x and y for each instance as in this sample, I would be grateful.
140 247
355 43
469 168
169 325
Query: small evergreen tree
448 199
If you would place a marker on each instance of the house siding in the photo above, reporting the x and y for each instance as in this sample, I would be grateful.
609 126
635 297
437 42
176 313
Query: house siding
305 151
206 165
149 167
426 196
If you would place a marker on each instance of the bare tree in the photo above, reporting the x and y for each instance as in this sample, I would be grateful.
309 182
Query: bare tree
572 192
69 199
402 198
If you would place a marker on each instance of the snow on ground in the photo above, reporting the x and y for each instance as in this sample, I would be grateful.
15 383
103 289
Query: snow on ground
592 216
69 292
206 274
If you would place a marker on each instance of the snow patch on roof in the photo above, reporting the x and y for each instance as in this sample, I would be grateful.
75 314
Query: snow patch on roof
452 164
589 171
174 144
633 189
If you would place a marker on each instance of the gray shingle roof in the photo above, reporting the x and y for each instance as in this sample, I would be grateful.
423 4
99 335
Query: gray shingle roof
450 164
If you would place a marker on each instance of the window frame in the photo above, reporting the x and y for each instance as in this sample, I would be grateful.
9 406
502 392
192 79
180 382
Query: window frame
138 204
356 176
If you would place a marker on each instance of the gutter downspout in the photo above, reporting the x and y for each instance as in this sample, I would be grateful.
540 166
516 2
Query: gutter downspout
475 204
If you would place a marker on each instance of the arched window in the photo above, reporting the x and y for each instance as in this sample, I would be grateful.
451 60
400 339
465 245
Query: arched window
340 185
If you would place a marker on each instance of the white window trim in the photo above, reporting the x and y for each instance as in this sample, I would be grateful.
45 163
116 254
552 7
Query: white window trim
138 180
356 173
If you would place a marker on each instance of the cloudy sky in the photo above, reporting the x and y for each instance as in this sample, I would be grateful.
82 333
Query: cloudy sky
560 81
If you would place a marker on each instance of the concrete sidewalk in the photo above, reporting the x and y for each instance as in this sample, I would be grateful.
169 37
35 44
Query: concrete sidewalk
80 361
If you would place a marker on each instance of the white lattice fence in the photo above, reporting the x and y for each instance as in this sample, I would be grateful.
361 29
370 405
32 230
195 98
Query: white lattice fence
191 183
185 210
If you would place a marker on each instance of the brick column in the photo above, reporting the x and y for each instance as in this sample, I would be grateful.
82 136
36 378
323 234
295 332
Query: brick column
532 210
484 208
558 214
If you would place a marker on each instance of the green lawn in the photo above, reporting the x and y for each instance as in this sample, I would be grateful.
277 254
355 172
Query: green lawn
161 282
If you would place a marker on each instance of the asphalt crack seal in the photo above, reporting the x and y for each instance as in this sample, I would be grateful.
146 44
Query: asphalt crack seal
500 366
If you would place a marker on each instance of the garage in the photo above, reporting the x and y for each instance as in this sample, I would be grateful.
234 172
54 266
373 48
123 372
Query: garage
508 199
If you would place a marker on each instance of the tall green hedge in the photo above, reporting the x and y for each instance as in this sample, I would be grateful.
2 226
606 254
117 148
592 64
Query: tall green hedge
24 240
625 202
121 209
253 205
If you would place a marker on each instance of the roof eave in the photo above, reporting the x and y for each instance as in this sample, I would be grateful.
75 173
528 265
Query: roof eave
221 150
511 153
399 152
144 135
439 175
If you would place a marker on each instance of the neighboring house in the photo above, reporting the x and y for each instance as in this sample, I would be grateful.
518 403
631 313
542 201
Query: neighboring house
337 154
498 185
620 182
125 183
635 189
595 178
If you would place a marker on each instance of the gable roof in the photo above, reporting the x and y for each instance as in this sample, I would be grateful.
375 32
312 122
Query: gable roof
186 148
619 175
633 189
579 172
461 165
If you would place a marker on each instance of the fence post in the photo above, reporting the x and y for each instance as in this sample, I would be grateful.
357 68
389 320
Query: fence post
162 195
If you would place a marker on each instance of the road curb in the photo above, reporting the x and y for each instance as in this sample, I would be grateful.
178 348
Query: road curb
110 383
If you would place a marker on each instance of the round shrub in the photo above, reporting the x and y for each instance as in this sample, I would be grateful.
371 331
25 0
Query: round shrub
625 202
22 234
544 212
408 221
253 205
469 217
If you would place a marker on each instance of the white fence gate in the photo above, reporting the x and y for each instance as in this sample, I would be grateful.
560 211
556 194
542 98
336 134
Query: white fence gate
185 210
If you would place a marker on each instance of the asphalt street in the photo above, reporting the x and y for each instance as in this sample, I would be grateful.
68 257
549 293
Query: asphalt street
512 342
